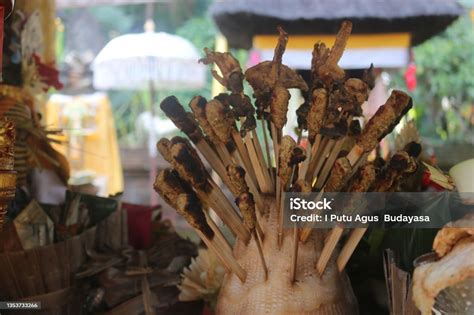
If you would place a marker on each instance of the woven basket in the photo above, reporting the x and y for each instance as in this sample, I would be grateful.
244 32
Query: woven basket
47 273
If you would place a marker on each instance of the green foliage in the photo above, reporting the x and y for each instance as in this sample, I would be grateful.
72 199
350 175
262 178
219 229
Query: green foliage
113 18
445 93
200 31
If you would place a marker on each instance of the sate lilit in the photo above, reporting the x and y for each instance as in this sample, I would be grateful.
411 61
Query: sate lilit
246 205
182 119
237 183
180 195
190 208
339 175
189 167
316 113
198 107
221 120
384 120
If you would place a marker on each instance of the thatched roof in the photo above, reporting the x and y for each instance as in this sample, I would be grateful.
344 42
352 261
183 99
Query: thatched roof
239 20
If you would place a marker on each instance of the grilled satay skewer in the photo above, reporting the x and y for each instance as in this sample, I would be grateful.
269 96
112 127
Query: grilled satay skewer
364 179
178 194
339 175
186 162
232 79
400 165
185 122
198 106
187 204
383 182
314 122
238 186
289 156
324 73
246 205
350 97
279 98
169 185
382 123
223 125
222 122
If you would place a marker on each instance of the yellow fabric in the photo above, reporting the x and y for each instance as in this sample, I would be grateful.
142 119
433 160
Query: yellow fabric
89 130
356 41
221 46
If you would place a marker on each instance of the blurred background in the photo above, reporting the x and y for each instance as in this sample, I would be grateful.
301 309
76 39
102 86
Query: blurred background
425 47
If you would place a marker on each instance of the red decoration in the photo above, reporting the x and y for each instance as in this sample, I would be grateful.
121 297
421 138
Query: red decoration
410 76
428 183
7 5
139 225
49 74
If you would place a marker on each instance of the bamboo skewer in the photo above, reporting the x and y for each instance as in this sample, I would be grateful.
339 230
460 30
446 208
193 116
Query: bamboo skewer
388 179
213 159
281 196
322 177
294 261
260 253
217 232
306 232
176 192
259 230
253 188
276 141
304 167
349 247
318 155
319 160
267 151
279 184
225 256
259 170
304 187
246 205
242 151
290 154
329 246
187 163
224 203
382 185
223 153
263 164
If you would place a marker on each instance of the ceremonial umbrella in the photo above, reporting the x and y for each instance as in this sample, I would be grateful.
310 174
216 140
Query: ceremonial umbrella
151 61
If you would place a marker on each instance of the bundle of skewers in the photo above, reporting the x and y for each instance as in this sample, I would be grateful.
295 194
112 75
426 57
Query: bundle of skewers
273 269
